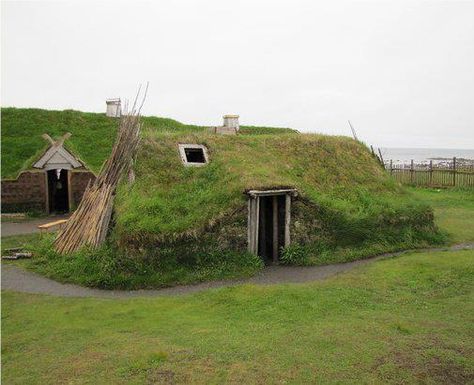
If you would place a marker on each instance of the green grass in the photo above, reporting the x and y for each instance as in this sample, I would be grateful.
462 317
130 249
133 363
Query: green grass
19 240
454 211
91 140
92 135
104 268
403 320
167 198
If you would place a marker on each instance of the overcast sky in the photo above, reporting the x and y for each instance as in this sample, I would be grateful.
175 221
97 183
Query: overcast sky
402 72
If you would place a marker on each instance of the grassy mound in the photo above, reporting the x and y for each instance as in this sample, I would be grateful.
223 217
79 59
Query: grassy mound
348 207
183 224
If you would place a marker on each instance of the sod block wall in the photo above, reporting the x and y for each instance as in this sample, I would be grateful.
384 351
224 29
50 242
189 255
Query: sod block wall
28 193
25 194
79 180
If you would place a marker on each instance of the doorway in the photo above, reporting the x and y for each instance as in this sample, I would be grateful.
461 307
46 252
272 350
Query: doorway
271 227
269 223
58 191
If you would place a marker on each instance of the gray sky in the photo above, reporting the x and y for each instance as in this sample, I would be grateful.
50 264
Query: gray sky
402 72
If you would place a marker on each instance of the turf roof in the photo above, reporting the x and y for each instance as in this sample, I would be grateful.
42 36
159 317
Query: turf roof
168 198
358 202
92 135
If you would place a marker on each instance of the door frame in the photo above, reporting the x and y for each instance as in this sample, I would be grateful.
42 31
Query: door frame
69 191
253 218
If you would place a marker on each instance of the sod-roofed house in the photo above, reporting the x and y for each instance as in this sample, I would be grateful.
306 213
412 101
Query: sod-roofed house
48 157
54 183
201 194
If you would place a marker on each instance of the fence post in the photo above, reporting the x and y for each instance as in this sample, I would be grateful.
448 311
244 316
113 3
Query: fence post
454 171
391 167
411 171
431 173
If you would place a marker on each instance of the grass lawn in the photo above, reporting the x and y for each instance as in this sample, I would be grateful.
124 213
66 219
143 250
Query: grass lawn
454 211
19 240
404 320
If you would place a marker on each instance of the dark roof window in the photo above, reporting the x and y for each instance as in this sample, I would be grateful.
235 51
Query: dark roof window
193 154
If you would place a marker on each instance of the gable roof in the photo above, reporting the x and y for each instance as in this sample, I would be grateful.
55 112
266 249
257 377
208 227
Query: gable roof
58 157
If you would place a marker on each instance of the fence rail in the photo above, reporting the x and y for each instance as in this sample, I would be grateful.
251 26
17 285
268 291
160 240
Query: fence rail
447 174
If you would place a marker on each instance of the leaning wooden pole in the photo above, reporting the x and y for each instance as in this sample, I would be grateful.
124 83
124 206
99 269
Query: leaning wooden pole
89 224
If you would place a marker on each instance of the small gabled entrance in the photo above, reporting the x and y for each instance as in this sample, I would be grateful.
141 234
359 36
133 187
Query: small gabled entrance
57 163
269 216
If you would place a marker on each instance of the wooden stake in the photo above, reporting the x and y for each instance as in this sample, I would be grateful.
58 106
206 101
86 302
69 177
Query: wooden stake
287 219
275 229
89 224
454 171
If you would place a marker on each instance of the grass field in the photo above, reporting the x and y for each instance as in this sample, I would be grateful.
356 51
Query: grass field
404 320
454 211
19 240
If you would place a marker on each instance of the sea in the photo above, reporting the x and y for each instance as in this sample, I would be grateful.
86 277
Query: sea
425 155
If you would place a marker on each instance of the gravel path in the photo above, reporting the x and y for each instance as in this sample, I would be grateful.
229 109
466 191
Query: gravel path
17 279
27 226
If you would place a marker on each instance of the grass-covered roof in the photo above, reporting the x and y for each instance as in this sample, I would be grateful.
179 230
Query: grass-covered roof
92 135
168 198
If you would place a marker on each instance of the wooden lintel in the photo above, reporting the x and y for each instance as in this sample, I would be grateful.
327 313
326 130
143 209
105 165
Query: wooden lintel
255 193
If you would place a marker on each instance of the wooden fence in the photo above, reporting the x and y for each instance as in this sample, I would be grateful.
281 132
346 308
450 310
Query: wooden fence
447 174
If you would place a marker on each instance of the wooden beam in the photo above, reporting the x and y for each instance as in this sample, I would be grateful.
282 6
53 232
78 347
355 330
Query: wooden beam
287 219
257 217
48 138
262 224
69 189
251 226
275 229
271 192
46 188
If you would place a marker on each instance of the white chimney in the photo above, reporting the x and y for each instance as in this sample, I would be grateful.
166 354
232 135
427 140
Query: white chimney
232 122
114 108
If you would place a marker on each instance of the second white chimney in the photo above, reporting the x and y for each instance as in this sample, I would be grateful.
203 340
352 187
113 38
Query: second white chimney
114 108
231 121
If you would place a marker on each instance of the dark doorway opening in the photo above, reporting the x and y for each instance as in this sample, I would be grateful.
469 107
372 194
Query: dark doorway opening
58 191
271 227
195 155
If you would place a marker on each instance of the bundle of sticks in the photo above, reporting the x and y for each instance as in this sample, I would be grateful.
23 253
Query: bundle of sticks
89 224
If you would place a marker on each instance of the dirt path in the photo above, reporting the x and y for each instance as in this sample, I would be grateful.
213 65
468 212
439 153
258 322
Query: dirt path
27 226
17 279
